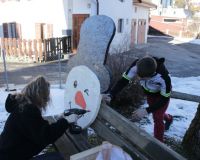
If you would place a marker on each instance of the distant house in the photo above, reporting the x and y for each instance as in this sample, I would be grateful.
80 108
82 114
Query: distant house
43 19
170 20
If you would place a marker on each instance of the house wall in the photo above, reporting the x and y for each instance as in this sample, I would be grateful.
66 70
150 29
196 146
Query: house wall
27 13
59 13
141 13
78 7
125 10
115 10
1 31
118 10
84 7
171 28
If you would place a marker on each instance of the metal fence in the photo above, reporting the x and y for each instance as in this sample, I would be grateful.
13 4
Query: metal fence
15 71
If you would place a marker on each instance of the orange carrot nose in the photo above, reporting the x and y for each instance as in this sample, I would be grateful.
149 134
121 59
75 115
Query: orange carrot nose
79 100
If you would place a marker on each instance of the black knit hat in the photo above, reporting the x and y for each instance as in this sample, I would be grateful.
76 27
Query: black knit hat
146 67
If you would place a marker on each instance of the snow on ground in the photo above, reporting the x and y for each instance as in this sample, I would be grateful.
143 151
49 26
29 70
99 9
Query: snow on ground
179 40
185 40
195 41
183 111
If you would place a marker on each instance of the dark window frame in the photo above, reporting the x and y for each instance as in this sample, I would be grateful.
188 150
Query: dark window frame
11 30
120 25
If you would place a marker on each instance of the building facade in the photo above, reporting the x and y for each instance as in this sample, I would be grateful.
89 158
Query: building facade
43 19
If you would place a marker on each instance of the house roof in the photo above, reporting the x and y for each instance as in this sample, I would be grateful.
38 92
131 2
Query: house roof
144 3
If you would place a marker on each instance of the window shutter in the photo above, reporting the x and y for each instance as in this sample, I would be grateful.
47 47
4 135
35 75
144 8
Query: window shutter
120 25
49 30
5 30
13 33
19 32
38 31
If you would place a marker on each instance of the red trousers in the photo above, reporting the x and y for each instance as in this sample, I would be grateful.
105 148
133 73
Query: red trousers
158 117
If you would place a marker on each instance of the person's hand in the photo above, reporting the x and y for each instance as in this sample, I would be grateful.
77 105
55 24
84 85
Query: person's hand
139 114
72 118
106 98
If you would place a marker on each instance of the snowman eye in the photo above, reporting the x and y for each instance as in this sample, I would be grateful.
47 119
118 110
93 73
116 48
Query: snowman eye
86 91
75 84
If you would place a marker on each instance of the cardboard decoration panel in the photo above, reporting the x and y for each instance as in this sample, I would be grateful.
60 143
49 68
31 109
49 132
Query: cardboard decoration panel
82 90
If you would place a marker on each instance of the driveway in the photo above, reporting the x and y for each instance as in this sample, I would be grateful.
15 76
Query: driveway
22 73
182 59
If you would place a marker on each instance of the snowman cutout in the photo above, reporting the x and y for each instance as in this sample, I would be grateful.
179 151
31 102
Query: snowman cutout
96 35
83 92
88 76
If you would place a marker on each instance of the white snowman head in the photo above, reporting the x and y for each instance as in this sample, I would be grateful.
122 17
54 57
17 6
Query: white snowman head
82 90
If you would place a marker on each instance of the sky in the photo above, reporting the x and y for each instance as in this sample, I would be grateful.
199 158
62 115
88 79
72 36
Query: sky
183 111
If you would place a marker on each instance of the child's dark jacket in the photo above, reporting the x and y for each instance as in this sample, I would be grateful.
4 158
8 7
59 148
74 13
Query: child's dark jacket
158 86
26 133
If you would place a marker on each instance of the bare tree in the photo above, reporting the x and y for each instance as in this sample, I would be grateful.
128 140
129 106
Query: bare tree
195 28
191 140
123 46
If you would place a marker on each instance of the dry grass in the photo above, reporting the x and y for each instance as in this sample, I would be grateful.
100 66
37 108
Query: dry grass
132 95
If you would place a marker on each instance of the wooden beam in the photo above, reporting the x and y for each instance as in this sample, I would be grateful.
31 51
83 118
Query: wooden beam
137 136
80 141
105 133
90 154
185 96
63 144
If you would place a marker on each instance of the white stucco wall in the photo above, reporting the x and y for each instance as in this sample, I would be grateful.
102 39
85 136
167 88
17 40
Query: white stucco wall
125 10
1 31
118 10
59 13
84 7
79 7
27 13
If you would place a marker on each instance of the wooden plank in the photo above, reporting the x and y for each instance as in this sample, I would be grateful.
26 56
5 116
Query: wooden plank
105 133
63 144
6 47
44 50
30 52
15 47
35 50
19 41
24 47
40 52
9 46
137 136
87 155
185 96
80 141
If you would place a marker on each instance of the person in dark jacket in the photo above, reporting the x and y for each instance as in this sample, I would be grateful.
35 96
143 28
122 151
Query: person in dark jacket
26 133
156 82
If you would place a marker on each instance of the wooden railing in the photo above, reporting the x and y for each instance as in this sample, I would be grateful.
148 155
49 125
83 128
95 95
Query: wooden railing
35 50
113 127
185 96
53 46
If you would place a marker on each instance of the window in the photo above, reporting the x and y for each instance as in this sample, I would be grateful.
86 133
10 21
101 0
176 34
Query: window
11 30
43 31
120 25
171 20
